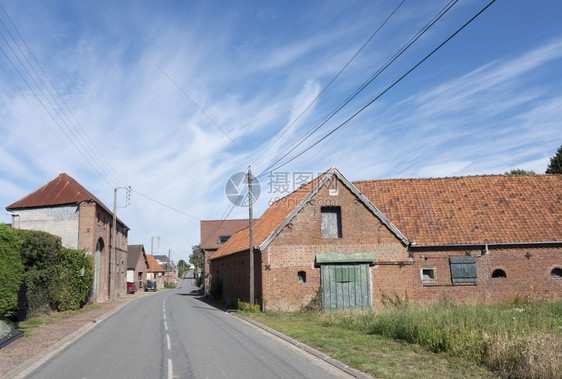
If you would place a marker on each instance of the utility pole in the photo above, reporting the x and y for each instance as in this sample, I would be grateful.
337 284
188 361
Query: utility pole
251 229
168 265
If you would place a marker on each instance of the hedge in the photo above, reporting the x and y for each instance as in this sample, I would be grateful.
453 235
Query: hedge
72 279
38 252
11 270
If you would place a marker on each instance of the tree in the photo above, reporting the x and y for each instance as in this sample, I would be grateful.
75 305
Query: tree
197 258
519 172
183 267
555 165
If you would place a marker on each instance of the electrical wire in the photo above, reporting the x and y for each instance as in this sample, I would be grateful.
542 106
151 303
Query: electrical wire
201 109
333 79
387 89
379 71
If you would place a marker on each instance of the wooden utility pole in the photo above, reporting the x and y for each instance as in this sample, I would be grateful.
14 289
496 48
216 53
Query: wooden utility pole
251 229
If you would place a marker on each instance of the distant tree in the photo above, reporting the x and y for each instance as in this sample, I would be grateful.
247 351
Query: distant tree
183 267
519 172
555 165
197 258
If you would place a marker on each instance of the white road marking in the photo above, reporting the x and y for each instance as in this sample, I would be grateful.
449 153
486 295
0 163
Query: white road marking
166 325
164 316
168 341
170 369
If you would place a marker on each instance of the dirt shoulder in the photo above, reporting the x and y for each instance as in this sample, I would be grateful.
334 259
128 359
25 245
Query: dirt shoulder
45 337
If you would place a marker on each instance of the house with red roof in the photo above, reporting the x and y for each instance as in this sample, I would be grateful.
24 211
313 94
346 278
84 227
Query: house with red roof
214 233
66 209
155 271
354 244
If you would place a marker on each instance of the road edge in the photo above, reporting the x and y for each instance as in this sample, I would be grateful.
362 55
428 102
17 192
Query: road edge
37 360
318 354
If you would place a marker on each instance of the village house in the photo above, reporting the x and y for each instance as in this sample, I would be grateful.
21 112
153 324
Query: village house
155 271
170 269
468 239
66 209
137 265
214 233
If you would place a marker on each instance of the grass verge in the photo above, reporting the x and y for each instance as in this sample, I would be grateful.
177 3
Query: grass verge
439 341
28 325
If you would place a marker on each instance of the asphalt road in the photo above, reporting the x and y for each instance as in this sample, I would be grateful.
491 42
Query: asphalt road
176 334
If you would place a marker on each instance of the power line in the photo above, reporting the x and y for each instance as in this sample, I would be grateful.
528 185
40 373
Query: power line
379 71
90 148
387 89
165 205
333 79
201 109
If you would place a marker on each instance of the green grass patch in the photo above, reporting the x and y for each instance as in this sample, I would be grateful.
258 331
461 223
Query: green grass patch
439 341
47 318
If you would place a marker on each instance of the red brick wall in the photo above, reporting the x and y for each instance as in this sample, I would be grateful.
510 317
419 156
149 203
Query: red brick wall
528 279
234 271
296 247
96 223
397 269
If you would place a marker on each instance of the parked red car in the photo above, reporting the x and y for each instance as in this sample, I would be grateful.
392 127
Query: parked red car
131 287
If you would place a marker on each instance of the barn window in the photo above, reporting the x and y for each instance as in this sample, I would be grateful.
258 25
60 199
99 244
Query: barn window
427 275
331 222
556 273
499 273
463 269
302 276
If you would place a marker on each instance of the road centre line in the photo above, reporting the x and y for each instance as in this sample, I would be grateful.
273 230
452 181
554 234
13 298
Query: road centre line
170 369
166 325
168 341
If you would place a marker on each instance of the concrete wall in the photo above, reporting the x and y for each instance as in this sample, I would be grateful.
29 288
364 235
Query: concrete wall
61 221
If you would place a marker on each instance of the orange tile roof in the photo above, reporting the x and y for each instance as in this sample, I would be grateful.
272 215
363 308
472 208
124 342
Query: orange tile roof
268 222
471 210
153 266
459 210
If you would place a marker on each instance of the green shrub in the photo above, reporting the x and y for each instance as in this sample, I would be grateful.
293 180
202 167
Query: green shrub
38 250
216 287
169 285
72 279
243 306
11 270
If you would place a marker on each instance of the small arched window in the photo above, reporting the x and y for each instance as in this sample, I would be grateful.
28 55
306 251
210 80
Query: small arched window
499 273
556 273
302 276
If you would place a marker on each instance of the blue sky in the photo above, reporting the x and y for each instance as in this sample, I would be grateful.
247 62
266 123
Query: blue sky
173 97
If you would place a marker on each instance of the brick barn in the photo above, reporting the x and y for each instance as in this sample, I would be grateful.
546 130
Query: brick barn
214 233
66 209
469 239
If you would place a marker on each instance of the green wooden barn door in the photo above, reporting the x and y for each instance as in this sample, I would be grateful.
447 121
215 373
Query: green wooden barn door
345 286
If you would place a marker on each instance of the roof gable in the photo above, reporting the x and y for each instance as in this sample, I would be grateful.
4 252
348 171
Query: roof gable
134 252
280 213
59 191
153 266
471 210
62 190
